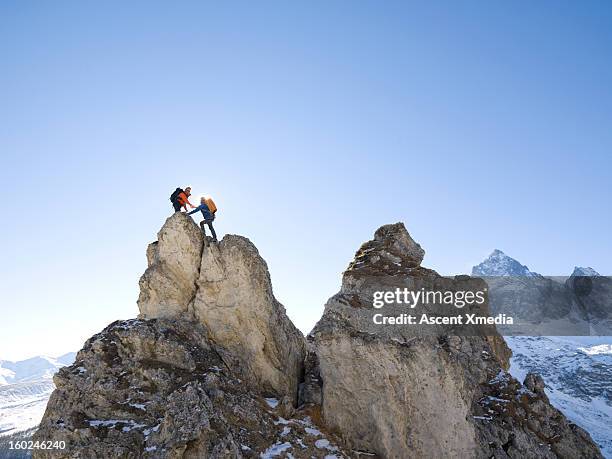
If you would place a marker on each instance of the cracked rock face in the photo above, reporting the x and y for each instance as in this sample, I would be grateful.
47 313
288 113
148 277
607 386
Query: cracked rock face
226 287
234 300
402 394
213 366
159 389
169 284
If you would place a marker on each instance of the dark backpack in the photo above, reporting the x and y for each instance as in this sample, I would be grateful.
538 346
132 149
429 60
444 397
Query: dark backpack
175 194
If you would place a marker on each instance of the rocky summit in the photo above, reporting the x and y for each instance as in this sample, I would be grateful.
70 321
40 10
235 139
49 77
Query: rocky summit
214 368
225 287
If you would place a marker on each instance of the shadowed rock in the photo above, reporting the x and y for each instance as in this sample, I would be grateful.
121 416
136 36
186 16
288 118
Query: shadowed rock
226 287
213 366
169 284
234 300
159 389
399 393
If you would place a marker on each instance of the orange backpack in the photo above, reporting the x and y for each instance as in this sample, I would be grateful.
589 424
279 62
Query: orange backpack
211 204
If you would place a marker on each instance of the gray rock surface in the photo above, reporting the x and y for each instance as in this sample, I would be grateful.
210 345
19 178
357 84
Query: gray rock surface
168 285
234 300
398 394
159 389
213 366
226 287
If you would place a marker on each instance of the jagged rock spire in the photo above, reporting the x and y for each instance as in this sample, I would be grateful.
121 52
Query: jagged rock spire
397 393
391 251
226 287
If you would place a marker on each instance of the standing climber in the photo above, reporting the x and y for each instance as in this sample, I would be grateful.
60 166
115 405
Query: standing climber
180 198
208 209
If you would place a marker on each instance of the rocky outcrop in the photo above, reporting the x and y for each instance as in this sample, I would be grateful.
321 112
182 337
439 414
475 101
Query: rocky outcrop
159 389
399 391
226 287
168 285
213 365
234 301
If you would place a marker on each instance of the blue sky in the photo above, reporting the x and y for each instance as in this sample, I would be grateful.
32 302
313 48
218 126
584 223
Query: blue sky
481 125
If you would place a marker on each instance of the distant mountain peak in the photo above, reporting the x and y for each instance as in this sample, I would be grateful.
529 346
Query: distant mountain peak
587 272
25 387
500 264
32 369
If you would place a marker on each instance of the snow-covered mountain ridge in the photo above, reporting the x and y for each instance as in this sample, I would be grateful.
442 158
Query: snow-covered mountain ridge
32 369
25 387
577 369
578 378
588 272
500 264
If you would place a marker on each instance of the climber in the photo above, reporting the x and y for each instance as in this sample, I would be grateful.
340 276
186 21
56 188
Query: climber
209 217
180 199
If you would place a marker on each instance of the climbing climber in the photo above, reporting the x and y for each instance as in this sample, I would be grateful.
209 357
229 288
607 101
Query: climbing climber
180 198
208 209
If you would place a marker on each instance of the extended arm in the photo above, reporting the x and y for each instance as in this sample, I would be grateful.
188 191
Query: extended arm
197 209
